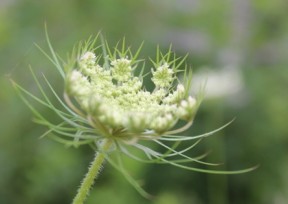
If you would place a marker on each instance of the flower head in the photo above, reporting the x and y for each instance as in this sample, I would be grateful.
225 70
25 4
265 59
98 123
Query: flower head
105 100
122 102
163 76
121 69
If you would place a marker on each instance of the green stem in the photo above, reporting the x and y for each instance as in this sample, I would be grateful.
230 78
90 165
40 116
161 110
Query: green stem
92 173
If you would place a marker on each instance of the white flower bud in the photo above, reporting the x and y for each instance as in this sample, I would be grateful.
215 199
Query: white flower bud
191 101
88 56
184 104
75 75
180 88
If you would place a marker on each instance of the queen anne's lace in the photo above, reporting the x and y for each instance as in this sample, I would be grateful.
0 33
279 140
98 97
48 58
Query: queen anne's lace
118 99
116 112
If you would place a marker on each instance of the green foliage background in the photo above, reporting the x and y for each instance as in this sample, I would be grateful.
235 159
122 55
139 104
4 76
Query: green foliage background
251 35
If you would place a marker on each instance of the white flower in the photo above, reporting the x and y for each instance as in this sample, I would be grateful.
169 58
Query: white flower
114 110
123 103
121 69
79 84
187 108
163 75
87 61
176 96
88 56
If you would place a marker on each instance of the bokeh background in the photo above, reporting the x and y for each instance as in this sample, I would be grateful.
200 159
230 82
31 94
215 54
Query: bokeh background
239 46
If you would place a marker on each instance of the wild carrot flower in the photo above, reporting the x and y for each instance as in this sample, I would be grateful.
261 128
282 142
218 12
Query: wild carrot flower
107 106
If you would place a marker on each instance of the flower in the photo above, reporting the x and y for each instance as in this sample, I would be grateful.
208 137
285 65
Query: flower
163 76
121 96
121 69
107 106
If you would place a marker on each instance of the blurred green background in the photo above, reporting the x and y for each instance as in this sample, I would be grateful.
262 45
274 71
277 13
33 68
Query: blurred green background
239 46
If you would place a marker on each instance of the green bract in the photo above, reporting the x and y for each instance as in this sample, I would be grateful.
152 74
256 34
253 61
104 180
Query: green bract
107 106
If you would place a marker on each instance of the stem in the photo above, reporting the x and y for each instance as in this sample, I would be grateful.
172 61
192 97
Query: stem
92 173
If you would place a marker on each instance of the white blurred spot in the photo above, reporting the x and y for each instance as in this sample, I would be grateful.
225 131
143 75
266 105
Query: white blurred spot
219 82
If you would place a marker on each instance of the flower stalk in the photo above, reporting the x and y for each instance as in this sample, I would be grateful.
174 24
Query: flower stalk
92 173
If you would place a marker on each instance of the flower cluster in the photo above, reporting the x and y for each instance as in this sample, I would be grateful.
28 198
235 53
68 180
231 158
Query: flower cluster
107 106
117 99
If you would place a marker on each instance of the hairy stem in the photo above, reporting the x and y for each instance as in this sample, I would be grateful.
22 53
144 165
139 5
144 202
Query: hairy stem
92 173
